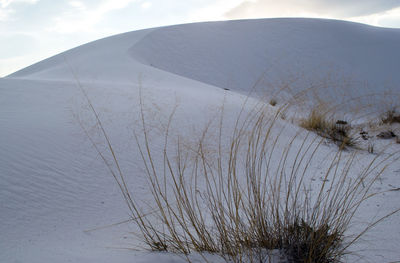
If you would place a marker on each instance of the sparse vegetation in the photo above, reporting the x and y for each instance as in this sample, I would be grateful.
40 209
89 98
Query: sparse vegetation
337 131
388 134
391 116
310 244
239 205
252 194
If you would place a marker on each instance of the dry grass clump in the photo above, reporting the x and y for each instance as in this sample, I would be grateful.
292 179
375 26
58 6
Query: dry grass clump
391 116
337 131
252 195
309 244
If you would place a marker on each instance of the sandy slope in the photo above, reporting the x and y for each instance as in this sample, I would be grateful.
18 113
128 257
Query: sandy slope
53 185
237 54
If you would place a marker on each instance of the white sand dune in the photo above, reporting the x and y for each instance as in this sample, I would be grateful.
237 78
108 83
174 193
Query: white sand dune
54 186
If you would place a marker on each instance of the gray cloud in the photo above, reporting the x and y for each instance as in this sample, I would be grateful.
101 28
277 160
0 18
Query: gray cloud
336 8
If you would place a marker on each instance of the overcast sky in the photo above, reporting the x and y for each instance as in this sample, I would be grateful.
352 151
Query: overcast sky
31 30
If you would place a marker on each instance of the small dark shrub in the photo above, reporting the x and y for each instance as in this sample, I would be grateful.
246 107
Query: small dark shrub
386 135
391 116
364 135
310 244
273 102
